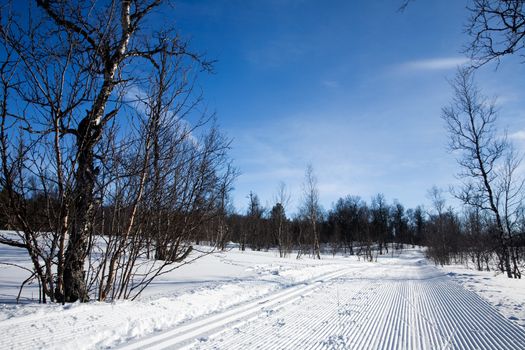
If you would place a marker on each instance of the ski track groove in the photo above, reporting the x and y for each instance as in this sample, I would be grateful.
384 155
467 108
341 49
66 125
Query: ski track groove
382 330
429 332
347 313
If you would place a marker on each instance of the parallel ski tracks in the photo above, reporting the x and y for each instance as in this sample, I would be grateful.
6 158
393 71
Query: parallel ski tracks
199 329
336 310
347 313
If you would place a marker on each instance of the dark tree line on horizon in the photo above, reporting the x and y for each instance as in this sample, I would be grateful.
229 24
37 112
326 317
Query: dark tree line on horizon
354 227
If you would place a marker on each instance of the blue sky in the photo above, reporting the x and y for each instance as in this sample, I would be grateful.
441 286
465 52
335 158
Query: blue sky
353 87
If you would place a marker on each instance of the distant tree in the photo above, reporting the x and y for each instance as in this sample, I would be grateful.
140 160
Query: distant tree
311 210
416 219
256 235
363 227
221 229
332 233
299 229
438 228
379 221
236 223
352 221
278 227
399 224
280 222
344 216
477 241
443 235
216 230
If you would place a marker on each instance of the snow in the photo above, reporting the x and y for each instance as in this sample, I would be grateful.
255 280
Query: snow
507 295
211 284
239 300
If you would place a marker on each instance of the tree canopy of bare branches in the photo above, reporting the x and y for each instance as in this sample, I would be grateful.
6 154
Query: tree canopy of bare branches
102 139
497 29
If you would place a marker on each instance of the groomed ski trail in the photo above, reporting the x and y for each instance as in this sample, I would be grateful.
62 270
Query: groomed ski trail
404 304
184 334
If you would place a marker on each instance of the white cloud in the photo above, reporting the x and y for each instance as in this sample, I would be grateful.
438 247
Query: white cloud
136 98
358 154
432 64
518 135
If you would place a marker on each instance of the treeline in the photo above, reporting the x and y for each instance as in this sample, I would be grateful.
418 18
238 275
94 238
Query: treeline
354 227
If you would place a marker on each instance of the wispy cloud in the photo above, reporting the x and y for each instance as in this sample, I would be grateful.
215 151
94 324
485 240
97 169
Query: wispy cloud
433 64
330 83
347 159
137 99
518 135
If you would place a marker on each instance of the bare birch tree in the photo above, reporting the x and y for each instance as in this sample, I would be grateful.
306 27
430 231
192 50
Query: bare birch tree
311 210
73 77
279 220
471 122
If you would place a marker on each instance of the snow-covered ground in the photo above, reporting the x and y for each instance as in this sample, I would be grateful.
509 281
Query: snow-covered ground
251 299
507 295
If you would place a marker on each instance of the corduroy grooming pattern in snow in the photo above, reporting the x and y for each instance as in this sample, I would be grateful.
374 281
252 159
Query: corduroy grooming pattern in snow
434 313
